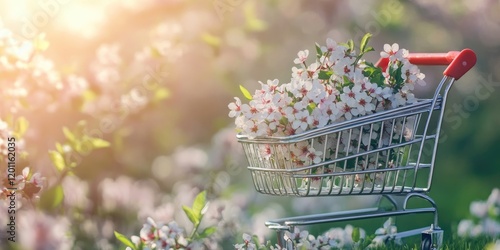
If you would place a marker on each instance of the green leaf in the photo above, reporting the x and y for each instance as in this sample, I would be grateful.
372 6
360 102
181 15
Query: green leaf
200 203
492 212
208 231
356 235
246 93
123 239
155 52
99 143
57 159
374 74
68 134
253 23
284 121
311 107
88 95
80 127
343 44
350 45
256 241
52 198
22 125
398 79
161 94
367 241
325 75
40 43
347 81
364 42
59 147
211 40
191 215
256 24
368 49
319 53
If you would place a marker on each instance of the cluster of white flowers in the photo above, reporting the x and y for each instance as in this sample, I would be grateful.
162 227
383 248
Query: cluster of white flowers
44 231
335 238
486 218
31 79
348 142
29 180
247 244
29 185
163 236
338 86
385 234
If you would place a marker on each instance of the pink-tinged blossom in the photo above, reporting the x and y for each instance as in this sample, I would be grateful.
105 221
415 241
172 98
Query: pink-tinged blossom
393 52
235 108
254 129
301 120
318 119
271 86
42 231
247 243
298 73
364 104
296 235
314 155
302 57
330 45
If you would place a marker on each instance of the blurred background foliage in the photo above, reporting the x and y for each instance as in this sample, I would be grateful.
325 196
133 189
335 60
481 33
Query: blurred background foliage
199 52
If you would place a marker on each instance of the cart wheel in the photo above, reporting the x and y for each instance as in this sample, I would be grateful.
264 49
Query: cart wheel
426 242
432 239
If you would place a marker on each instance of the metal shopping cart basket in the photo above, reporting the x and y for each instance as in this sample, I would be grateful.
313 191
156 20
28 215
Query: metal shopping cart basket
397 164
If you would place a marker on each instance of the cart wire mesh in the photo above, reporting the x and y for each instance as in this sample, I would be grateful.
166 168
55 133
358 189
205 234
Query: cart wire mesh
388 152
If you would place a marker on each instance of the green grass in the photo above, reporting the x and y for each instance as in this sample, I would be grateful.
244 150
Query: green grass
452 244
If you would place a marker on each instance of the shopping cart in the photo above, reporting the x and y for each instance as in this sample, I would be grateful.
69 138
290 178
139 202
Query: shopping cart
397 164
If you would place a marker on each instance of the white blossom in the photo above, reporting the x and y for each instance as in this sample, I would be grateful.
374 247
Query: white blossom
302 56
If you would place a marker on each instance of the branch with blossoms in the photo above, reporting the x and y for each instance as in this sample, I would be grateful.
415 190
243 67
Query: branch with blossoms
28 184
169 235
27 71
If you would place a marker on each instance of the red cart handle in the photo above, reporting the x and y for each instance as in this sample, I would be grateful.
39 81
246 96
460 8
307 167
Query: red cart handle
459 62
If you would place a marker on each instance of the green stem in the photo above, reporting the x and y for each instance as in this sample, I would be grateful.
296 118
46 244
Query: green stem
195 229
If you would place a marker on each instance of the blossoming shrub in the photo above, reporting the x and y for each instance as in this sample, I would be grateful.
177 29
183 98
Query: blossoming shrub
170 235
336 238
337 87
485 218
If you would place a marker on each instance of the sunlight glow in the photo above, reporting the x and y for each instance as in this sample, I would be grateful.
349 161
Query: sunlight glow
17 9
84 18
